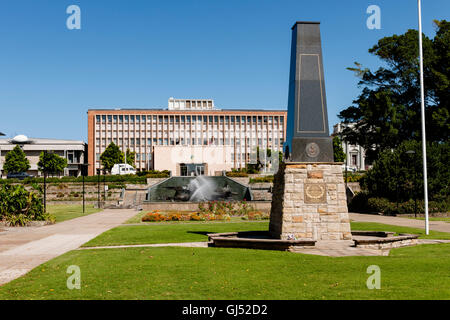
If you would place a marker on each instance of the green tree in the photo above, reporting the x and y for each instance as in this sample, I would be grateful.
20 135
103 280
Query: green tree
51 162
131 155
339 154
387 112
397 173
111 156
16 161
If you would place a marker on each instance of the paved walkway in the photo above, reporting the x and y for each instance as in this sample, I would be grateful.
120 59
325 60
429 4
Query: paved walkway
22 249
441 226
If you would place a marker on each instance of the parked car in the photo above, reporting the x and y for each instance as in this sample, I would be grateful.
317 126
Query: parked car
18 175
349 168
122 168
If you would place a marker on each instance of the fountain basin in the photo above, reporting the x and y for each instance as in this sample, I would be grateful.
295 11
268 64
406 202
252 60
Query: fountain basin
255 240
198 189
378 240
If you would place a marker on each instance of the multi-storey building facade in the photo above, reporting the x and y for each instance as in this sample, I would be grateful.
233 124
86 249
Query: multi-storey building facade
187 123
72 150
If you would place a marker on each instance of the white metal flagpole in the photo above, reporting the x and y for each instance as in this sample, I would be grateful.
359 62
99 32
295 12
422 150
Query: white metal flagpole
422 96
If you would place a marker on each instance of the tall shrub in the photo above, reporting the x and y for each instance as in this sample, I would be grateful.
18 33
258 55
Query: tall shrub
19 206
398 175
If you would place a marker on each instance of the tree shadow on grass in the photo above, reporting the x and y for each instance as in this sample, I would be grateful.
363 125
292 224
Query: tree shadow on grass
204 233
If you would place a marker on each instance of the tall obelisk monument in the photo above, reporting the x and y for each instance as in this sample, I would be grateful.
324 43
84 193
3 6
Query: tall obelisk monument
309 199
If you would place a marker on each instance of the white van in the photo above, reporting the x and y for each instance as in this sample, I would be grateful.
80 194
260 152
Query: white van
122 168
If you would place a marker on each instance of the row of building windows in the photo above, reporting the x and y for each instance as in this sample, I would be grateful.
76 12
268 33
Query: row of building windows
183 119
148 156
188 141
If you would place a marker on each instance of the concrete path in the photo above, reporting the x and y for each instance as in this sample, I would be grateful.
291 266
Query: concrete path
441 226
22 249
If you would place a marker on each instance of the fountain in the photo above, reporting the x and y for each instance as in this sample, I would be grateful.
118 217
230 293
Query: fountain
198 189
202 189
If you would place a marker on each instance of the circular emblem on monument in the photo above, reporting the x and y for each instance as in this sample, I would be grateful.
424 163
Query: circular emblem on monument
312 150
315 191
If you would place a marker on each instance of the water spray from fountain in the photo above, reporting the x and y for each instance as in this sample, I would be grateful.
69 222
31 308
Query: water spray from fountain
202 189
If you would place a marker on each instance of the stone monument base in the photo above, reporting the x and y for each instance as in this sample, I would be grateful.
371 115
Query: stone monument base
309 202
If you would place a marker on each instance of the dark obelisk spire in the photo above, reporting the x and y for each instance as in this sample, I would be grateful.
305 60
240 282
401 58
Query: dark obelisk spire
308 137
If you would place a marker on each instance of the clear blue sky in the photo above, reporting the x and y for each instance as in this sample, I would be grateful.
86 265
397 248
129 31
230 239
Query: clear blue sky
138 53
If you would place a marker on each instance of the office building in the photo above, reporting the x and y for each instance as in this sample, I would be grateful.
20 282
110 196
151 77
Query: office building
72 150
190 132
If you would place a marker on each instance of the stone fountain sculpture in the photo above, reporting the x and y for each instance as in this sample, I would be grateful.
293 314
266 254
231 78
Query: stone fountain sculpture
309 199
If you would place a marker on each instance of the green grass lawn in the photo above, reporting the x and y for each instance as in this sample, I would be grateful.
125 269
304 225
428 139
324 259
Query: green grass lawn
372 226
168 232
63 212
419 272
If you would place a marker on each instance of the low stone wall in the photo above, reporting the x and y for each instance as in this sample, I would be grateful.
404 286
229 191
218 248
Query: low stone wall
255 240
80 202
261 191
241 180
387 244
355 186
153 181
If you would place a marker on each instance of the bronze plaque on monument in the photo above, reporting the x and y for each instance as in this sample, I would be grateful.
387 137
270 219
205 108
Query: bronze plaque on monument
315 193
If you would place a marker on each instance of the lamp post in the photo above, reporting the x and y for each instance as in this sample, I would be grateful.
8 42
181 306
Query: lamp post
98 188
346 164
45 181
84 167
104 186
424 140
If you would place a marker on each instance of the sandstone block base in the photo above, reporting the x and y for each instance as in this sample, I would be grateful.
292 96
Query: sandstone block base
309 202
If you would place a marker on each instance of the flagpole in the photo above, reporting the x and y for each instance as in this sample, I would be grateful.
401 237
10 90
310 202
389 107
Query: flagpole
422 97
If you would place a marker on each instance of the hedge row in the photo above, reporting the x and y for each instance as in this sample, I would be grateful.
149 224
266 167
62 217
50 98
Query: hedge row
108 178
364 203
354 177
236 174
261 179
